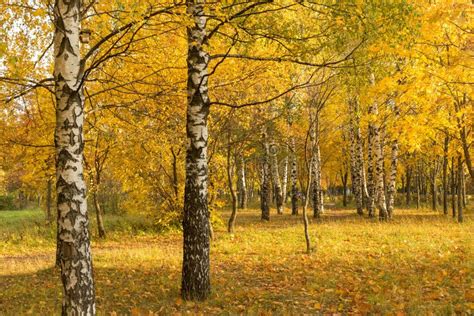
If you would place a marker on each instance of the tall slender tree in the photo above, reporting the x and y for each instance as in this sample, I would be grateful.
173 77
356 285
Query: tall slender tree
196 283
265 179
73 240
392 188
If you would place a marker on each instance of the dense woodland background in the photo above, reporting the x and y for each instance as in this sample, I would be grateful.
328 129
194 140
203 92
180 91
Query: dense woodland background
269 129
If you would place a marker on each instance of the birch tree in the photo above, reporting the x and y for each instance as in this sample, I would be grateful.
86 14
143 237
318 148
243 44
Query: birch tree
273 151
294 178
265 179
242 183
195 283
393 168
73 240
356 152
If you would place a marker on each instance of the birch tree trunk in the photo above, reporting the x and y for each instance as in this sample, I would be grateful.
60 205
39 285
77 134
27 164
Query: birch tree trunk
233 194
265 182
196 229
370 168
305 208
294 179
73 240
316 194
278 195
319 172
392 189
379 174
393 178
433 185
284 185
242 184
365 194
265 191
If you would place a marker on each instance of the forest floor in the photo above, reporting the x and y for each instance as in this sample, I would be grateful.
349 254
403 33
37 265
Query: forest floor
420 263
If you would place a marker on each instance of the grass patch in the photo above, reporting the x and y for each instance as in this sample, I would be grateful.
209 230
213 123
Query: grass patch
420 263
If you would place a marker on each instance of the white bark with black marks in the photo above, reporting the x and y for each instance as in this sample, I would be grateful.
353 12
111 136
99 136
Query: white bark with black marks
294 179
265 180
73 240
285 178
370 167
195 283
276 180
242 183
392 190
316 191
379 172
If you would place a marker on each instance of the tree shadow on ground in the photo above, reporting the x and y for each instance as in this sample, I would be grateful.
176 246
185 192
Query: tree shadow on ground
259 283
117 290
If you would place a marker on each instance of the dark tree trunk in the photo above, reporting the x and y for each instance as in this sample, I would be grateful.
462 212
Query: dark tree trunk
196 283
233 194
265 193
344 186
464 135
433 194
294 179
453 187
433 186
98 212
408 186
463 190
418 189
459 190
445 175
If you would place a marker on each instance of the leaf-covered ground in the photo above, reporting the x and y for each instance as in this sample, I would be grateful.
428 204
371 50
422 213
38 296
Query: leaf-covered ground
420 263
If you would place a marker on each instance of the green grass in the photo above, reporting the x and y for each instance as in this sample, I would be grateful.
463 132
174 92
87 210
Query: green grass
420 263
